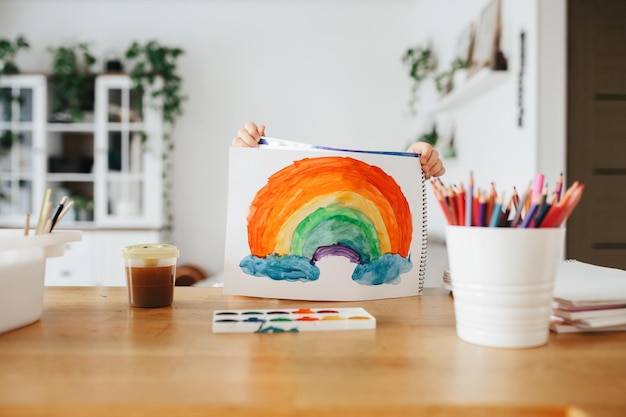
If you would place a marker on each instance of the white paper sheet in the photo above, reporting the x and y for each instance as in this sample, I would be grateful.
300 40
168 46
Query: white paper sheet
324 204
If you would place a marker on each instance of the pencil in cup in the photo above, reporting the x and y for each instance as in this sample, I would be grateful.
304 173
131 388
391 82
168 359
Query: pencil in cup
444 202
472 207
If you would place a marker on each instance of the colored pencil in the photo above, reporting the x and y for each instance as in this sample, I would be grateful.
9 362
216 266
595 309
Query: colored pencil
504 219
571 205
496 212
453 205
469 200
515 199
554 214
544 209
475 204
550 218
491 200
444 206
529 217
520 209
461 204
541 203
558 186
537 186
482 211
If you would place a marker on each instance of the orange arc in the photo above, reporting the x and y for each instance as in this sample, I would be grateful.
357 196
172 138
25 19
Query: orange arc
292 187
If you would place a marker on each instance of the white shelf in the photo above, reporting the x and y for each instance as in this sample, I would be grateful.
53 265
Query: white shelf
124 176
87 126
71 177
16 175
478 83
70 127
116 126
17 126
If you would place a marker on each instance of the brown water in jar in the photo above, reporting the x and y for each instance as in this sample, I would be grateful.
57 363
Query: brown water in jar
150 286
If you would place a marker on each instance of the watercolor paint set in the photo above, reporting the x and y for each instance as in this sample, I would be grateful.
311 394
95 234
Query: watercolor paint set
292 320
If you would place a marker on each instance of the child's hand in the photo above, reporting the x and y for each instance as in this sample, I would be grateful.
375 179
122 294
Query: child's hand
249 136
432 165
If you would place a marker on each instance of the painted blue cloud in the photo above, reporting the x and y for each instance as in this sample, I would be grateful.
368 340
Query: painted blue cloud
281 268
383 270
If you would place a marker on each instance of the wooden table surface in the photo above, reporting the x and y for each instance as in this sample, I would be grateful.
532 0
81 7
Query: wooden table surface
93 355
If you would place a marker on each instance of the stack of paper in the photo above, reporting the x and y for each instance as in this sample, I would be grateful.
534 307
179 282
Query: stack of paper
589 298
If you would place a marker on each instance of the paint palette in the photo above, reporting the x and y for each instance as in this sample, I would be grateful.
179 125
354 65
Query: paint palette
292 320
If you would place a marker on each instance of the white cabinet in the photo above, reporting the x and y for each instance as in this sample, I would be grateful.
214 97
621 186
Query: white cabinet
97 259
78 266
128 168
110 165
22 139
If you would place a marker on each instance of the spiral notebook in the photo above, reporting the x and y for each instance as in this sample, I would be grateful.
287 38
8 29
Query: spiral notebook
316 223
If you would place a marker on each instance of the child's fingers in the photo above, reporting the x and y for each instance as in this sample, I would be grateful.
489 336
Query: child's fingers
244 138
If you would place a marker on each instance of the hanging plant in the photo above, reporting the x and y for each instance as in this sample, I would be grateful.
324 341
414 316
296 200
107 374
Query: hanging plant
8 51
152 62
421 62
154 70
444 80
73 81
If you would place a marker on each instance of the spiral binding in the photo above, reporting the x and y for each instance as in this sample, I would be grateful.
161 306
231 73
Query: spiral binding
424 246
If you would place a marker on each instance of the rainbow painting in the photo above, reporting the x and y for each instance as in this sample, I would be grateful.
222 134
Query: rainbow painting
323 206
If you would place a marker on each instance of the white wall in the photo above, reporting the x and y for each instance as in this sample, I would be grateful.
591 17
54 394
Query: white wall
320 71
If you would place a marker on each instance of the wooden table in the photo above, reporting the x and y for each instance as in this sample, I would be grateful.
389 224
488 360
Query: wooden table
93 355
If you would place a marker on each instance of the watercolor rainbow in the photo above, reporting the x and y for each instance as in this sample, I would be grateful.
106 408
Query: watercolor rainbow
329 206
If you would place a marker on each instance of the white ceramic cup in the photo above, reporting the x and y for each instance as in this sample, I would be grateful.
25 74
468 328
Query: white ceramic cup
502 283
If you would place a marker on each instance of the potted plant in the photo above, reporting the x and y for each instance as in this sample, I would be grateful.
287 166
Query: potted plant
444 81
84 208
7 138
8 51
421 62
154 70
73 81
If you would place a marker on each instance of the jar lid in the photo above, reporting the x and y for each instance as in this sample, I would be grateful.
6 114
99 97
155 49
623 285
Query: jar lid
150 251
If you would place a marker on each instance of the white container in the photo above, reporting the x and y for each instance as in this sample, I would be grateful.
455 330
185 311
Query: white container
502 283
22 273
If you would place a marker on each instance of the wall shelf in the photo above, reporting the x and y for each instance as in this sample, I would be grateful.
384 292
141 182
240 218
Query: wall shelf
478 83
71 127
